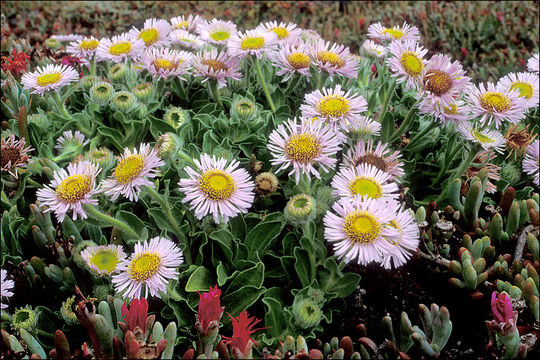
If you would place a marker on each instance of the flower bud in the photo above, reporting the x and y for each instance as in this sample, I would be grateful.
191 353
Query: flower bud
167 146
123 101
24 318
101 92
118 72
300 209
143 91
306 311
510 173
88 81
176 116
103 157
266 183
67 312
52 44
243 108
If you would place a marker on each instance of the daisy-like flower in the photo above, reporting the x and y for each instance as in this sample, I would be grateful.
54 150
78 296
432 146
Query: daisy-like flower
186 40
371 49
134 170
252 42
152 264
310 36
360 230
212 64
70 190
335 59
71 142
5 289
381 157
14 155
67 38
103 259
120 48
303 146
188 23
365 181
291 59
454 113
404 33
49 78
365 127
443 80
488 139
85 48
155 32
533 63
216 32
284 32
409 236
525 83
407 62
216 188
336 107
496 105
165 62
531 162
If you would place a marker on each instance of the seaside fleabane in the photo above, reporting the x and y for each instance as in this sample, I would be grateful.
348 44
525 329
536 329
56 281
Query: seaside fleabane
5 288
155 32
14 155
488 139
70 190
407 62
381 157
533 64
85 48
361 231
531 162
284 32
152 265
103 259
334 59
120 48
303 146
384 34
218 189
290 59
220 66
527 84
164 63
456 112
216 32
133 171
186 40
251 42
188 23
49 78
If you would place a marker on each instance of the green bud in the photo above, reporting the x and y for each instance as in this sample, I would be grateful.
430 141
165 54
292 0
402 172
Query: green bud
67 312
420 215
176 116
307 312
300 209
140 110
123 101
103 157
168 145
24 318
118 72
52 44
101 92
143 92
243 108
88 81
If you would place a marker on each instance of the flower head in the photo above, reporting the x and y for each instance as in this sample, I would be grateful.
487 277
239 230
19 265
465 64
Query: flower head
501 307
300 209
381 157
24 318
184 23
372 49
404 33
252 42
210 309
151 265
409 237
266 183
488 139
531 162
176 116
103 259
361 230
241 341
71 142
119 48
492 170
155 32
216 32
527 85
291 59
85 48
70 190
13 155
364 127
518 139
496 105
134 170
5 288
533 63
17 63
165 62
219 66
67 38
302 146
136 315
186 40
49 78
284 32
335 59
218 189
407 62
454 113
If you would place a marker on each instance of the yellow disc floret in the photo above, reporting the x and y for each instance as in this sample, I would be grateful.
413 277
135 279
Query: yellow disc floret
144 265
48 79
362 227
302 148
438 82
88 44
220 35
396 34
281 32
217 185
74 188
299 60
129 169
105 260
411 63
120 48
253 43
149 36
495 101
525 89
331 58
181 25
164 64
366 186
481 137
215 65
333 106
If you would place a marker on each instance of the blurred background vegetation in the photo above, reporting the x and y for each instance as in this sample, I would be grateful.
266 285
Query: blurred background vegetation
491 38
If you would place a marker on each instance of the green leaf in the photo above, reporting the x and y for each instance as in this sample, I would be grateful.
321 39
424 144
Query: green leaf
222 276
241 299
302 266
201 280
345 285
134 222
225 240
274 314
253 276
260 238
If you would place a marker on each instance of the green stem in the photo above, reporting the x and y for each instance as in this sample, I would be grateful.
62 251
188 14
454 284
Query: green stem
93 66
45 333
35 183
406 122
386 101
263 84
60 105
445 167
96 214
457 173
186 157
213 88
172 221
422 133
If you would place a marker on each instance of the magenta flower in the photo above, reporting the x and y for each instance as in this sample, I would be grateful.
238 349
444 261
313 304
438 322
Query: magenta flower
501 307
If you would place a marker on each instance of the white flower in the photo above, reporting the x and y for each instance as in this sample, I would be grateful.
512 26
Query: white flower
49 78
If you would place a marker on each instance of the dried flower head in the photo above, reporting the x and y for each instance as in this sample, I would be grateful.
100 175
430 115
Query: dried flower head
13 155
518 138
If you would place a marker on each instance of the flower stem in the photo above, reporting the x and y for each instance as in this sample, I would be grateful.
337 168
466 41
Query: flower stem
93 66
96 214
185 156
457 173
386 101
422 133
172 221
263 84
214 92
406 122
60 105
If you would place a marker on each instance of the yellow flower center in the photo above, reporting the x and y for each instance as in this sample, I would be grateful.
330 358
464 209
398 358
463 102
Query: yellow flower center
217 185
362 227
396 34
298 60
331 58
74 188
281 32
164 64
525 89
48 79
452 110
411 63
120 48
481 137
366 186
438 82
252 43
302 148
220 35
495 102
333 106
88 44
129 169
215 65
144 265
181 25
149 36
104 260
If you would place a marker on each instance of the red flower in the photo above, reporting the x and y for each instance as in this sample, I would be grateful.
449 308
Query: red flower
70 60
227 13
522 62
373 69
501 307
499 16
361 22
136 315
242 330
17 64
336 32
209 308
464 52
